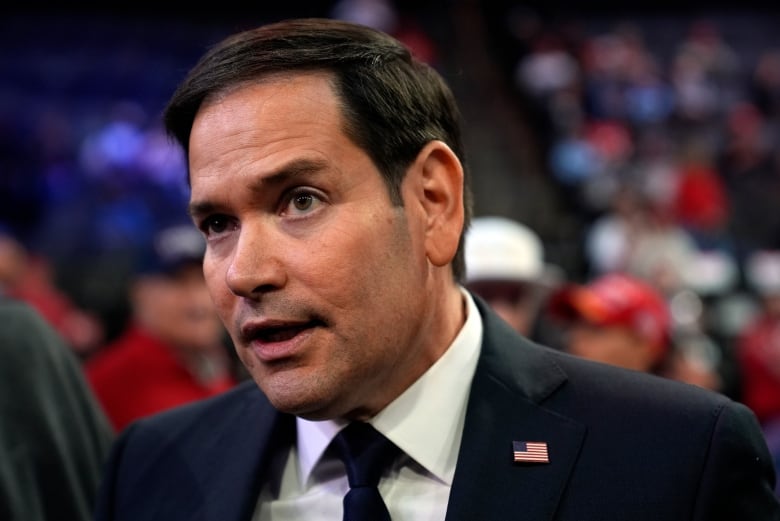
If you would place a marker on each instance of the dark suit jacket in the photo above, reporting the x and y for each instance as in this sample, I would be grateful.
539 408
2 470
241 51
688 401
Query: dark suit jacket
623 446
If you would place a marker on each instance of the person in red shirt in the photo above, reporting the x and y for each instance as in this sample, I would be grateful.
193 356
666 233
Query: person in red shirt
701 204
758 346
173 349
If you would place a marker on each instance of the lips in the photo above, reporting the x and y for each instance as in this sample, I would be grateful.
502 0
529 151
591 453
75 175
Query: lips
272 341
280 333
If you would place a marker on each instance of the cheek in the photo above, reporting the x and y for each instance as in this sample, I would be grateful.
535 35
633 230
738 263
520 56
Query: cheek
363 278
216 287
343 264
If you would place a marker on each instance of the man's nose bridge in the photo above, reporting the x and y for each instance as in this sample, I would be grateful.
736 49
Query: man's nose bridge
254 262
245 253
248 255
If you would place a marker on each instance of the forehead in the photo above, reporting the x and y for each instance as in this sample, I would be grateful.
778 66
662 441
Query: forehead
293 92
265 119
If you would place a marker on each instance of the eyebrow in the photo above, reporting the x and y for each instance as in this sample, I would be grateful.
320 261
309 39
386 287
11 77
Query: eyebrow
294 169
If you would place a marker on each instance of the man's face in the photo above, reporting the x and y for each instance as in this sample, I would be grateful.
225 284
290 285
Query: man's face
322 283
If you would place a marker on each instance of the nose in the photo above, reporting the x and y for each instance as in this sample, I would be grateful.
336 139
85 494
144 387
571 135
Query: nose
256 266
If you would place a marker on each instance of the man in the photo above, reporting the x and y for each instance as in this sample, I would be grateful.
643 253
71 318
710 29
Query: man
29 276
758 347
53 436
758 344
624 320
172 351
616 319
326 174
505 266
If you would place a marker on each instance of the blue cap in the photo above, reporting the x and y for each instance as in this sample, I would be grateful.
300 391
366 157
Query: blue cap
173 248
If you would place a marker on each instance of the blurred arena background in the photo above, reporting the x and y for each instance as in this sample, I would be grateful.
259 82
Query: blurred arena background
578 116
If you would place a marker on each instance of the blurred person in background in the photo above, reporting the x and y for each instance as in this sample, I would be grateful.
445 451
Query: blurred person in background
758 348
660 250
701 204
764 90
505 266
53 435
608 240
622 320
173 350
29 276
639 236
749 165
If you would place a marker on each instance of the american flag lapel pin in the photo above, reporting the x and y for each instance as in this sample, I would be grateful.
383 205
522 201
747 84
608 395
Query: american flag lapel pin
530 452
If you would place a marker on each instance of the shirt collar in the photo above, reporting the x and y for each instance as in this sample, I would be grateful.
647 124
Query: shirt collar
425 421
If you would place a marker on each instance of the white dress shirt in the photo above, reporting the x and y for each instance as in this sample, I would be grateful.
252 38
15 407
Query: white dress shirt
426 422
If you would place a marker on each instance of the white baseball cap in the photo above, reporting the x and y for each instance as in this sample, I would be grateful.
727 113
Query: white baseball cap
498 248
763 271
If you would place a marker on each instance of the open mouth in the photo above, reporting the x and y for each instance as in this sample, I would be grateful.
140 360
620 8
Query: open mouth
283 333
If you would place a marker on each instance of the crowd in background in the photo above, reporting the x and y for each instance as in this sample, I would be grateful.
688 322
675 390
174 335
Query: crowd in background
660 133
662 145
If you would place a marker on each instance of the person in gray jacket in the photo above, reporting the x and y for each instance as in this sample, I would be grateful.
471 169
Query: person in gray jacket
53 435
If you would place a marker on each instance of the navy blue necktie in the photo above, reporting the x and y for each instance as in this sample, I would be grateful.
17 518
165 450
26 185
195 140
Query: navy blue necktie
366 453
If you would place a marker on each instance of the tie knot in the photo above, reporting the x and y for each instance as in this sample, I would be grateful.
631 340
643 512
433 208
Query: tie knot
366 453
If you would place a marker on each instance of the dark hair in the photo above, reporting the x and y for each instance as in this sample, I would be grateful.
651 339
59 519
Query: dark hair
393 104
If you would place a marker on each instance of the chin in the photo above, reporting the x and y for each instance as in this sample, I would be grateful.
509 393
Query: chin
308 410
286 395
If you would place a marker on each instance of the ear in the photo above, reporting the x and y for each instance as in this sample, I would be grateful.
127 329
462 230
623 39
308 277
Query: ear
439 191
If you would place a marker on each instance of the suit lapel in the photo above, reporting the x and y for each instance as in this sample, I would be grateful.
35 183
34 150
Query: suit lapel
244 449
512 380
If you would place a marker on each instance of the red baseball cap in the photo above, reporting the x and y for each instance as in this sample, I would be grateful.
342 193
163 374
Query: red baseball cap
617 300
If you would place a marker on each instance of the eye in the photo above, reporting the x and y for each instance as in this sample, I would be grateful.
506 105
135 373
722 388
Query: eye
302 202
215 225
